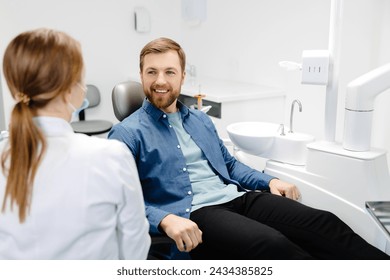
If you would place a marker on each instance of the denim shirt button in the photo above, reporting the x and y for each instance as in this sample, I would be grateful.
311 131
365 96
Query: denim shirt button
178 146
187 210
189 192
184 169
164 116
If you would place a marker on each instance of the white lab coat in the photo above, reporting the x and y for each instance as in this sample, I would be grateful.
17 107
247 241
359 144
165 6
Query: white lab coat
86 203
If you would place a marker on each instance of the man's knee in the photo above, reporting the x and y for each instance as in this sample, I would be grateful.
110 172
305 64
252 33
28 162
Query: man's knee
276 246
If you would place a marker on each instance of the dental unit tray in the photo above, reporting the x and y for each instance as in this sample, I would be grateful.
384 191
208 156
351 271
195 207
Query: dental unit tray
380 211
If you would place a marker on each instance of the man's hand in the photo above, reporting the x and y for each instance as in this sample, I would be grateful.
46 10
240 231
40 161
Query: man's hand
280 187
183 231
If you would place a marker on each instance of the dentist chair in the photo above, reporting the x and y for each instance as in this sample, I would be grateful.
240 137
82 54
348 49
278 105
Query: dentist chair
91 127
127 97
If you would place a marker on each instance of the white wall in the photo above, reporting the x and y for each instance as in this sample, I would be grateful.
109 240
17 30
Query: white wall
240 40
105 29
381 127
366 46
245 40
2 116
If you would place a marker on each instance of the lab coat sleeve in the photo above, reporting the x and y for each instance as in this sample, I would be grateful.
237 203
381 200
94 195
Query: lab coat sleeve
132 225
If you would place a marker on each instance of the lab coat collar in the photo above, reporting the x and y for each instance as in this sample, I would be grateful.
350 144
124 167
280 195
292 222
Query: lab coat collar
52 126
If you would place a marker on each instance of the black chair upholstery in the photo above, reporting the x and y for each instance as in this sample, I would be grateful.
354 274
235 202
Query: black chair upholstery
91 127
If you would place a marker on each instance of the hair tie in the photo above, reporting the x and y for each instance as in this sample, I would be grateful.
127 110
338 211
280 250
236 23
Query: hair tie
25 99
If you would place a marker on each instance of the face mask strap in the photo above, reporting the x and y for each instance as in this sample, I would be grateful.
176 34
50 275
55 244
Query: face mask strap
76 112
72 107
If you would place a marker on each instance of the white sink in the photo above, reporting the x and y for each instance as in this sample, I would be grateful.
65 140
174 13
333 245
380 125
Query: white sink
254 138
263 139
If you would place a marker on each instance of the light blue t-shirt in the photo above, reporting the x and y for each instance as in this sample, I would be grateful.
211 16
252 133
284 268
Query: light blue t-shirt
207 187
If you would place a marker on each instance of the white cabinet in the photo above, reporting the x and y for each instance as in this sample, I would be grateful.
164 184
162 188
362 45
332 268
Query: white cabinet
238 101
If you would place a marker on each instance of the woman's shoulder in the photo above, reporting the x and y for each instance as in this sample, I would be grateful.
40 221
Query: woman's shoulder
3 144
100 146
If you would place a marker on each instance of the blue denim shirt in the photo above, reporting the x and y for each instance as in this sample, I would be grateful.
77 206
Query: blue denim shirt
162 166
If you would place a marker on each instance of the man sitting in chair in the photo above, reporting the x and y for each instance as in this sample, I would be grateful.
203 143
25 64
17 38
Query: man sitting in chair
210 204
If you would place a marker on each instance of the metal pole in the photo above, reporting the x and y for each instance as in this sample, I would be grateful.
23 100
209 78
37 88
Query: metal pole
332 86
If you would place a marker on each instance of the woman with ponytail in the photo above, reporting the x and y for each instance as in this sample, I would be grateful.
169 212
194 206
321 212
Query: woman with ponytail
63 195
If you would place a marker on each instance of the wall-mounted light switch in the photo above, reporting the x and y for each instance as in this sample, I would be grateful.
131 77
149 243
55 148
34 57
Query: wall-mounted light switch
141 20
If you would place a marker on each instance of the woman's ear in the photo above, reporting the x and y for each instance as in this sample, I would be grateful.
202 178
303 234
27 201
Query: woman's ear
67 96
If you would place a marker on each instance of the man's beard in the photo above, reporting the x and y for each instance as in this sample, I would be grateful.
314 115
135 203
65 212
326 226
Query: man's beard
162 101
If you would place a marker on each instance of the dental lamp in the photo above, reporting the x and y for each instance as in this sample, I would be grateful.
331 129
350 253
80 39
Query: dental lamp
359 107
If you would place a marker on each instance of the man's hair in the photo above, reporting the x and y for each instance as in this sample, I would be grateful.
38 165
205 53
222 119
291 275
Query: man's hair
162 45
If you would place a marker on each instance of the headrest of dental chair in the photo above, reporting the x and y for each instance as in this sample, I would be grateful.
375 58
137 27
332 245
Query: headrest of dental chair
127 97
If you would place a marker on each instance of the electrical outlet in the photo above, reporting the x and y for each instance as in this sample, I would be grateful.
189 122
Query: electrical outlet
315 67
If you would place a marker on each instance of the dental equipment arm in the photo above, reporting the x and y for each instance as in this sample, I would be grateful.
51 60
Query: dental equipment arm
359 107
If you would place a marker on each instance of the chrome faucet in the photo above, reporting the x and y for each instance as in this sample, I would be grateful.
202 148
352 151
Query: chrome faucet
292 111
281 128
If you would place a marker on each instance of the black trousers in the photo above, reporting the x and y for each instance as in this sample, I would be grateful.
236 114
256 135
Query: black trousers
266 226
